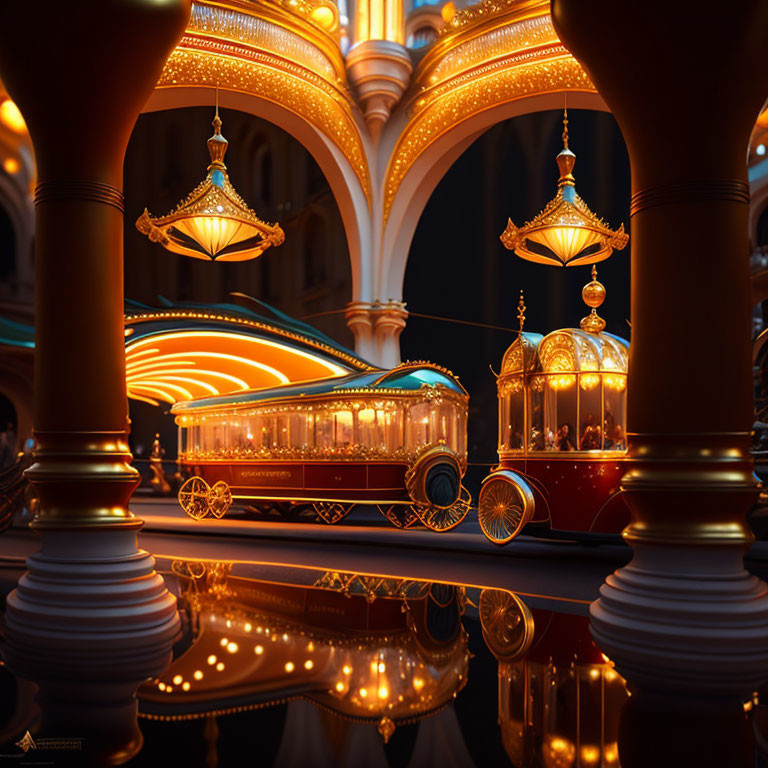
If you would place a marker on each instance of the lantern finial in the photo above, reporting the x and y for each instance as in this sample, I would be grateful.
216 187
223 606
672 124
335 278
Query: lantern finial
593 294
521 311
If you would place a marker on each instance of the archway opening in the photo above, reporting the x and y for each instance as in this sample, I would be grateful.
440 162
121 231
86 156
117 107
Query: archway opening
167 158
458 268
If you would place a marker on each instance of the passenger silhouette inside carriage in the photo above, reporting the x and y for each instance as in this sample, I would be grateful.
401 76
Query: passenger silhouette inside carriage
592 435
564 437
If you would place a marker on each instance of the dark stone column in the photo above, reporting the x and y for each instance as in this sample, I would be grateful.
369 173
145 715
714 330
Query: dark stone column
685 81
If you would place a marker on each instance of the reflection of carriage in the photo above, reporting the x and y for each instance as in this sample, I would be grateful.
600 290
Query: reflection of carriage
559 697
562 411
395 439
372 650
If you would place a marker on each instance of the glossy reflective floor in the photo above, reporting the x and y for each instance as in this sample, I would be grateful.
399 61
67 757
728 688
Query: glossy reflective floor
291 666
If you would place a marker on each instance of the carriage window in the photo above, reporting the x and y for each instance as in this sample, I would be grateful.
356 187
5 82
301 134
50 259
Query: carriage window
561 411
539 439
365 428
511 415
590 412
615 412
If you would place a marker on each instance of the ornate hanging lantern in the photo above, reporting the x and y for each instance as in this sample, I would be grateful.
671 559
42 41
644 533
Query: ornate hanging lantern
566 232
213 221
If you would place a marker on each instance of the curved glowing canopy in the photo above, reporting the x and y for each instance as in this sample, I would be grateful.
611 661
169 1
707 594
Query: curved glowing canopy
185 353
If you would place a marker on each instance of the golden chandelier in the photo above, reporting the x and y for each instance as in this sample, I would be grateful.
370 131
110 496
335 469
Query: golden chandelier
213 221
566 232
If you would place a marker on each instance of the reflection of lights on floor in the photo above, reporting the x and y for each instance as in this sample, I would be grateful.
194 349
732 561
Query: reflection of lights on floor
289 666
258 650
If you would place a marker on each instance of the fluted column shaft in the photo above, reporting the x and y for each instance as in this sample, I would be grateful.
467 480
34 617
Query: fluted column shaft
685 81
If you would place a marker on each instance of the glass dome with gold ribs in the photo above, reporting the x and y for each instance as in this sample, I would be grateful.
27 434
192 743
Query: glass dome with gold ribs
213 221
573 377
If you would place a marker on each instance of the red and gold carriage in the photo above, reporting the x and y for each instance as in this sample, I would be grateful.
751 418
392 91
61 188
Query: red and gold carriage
562 440
395 439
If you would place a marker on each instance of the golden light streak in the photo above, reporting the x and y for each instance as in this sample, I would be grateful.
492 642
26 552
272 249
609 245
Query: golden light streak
334 369
204 385
134 396
198 373
143 366
281 377
185 393
129 352
158 392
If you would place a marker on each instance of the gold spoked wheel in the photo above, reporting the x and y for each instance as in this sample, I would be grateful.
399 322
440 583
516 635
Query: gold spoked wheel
442 519
193 497
505 505
219 499
400 515
331 512
506 622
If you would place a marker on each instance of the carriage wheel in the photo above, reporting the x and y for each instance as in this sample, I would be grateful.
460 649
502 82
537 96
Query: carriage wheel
442 519
400 515
505 505
219 499
193 497
331 512
506 622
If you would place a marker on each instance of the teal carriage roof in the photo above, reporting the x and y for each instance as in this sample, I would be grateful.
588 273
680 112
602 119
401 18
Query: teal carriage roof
405 378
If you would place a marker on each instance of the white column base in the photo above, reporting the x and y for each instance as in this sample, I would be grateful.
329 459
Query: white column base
685 619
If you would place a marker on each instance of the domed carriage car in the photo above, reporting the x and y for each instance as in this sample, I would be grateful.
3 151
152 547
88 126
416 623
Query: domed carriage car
562 441
395 439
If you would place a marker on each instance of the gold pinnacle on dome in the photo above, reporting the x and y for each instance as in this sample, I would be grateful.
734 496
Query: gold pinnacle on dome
566 232
521 311
593 294
213 221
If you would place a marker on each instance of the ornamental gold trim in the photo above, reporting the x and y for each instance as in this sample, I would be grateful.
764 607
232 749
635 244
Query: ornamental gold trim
483 88
272 24
291 84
